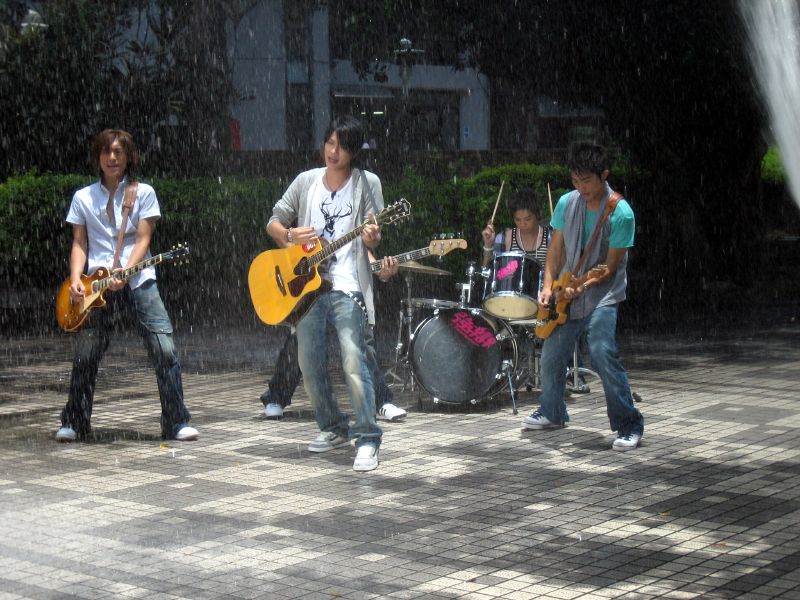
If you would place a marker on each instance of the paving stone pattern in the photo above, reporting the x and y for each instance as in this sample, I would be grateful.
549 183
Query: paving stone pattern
465 504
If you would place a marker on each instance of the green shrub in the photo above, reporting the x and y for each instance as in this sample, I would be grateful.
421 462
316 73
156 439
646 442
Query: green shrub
772 170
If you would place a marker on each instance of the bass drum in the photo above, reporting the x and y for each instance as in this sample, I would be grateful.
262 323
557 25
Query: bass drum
457 355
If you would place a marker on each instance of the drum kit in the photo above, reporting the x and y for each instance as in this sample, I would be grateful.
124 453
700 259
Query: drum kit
471 349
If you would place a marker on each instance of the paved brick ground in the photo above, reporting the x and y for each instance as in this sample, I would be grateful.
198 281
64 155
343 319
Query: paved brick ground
464 505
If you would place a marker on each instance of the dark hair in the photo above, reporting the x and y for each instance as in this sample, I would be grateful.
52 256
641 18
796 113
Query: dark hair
350 132
525 199
588 158
102 143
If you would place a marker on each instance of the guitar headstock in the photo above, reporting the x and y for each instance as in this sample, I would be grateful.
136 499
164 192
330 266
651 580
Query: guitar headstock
177 252
441 247
394 212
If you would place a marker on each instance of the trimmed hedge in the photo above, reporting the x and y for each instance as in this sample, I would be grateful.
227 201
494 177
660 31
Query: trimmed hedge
222 220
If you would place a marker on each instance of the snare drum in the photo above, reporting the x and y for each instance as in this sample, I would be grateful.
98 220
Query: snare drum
457 354
513 286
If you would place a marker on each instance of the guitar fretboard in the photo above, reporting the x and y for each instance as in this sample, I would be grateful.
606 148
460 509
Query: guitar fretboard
126 274
401 258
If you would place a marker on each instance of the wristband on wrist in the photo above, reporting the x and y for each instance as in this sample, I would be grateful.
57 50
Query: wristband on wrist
485 249
289 235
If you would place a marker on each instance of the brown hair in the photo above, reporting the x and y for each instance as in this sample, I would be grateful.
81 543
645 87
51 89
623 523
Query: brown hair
102 143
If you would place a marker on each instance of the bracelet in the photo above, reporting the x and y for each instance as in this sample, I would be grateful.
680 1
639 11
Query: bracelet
487 250
289 235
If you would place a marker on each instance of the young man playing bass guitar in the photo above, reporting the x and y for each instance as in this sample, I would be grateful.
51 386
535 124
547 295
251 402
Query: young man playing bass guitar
577 247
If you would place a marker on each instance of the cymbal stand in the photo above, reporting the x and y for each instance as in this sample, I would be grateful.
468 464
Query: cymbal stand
401 358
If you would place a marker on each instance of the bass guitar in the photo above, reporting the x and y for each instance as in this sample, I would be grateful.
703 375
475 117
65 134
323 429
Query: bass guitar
282 281
71 315
557 311
435 248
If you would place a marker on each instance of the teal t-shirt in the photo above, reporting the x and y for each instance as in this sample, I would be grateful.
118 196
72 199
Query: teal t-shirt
623 223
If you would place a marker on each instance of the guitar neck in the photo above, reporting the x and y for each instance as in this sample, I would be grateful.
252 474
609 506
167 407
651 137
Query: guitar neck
335 245
401 258
126 274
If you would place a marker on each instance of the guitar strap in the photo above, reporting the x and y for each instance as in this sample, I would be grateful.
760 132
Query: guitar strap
127 206
613 200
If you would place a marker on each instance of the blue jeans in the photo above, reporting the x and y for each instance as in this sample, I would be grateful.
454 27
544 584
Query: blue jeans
91 346
286 376
337 309
557 351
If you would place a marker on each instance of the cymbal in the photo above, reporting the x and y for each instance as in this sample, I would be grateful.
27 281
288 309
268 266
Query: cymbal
415 267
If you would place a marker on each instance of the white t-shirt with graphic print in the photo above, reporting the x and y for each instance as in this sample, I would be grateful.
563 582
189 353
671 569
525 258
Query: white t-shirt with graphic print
332 218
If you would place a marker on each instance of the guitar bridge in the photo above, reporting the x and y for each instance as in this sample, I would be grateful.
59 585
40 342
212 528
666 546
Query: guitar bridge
279 280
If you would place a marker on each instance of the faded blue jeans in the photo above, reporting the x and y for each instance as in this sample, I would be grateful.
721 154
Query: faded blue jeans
92 343
600 327
348 319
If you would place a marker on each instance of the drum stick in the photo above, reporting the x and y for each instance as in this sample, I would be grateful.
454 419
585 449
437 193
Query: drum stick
496 204
550 198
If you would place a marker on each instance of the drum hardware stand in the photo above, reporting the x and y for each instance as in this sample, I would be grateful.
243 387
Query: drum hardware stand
508 367
577 372
530 376
406 318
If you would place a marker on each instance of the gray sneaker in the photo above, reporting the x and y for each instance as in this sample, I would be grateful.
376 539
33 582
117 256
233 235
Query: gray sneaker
327 440
537 420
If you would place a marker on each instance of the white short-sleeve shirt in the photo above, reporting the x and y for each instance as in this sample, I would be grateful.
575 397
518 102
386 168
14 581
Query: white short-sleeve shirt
88 208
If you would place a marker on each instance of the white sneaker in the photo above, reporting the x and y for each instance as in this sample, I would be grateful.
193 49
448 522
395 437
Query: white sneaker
327 440
66 434
390 412
366 458
537 420
623 443
187 434
273 410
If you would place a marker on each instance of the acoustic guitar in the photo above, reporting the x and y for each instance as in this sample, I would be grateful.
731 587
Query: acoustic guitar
282 281
71 316
435 248
557 311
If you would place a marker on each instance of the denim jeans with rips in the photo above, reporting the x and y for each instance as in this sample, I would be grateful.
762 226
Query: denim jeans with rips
92 343
348 319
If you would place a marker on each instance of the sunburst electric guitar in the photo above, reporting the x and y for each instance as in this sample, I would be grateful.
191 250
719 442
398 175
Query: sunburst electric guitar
71 316
435 248
557 312
282 281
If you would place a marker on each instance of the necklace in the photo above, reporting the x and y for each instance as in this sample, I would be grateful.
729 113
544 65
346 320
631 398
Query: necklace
329 187
535 241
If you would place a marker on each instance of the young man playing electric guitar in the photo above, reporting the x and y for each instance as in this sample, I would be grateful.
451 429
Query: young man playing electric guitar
576 249
326 203
97 216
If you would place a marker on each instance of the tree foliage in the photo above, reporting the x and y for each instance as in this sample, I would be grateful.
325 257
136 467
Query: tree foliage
671 77
158 70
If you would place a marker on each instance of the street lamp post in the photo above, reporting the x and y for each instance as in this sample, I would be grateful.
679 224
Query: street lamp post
405 56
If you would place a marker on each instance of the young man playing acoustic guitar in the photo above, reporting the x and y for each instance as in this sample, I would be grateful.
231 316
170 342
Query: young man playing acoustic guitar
96 215
328 203
593 303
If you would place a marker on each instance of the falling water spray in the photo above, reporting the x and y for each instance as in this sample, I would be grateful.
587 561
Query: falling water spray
773 28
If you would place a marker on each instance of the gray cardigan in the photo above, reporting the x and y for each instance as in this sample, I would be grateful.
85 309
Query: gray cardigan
294 207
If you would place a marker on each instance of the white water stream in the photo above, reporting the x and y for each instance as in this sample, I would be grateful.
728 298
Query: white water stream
773 28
